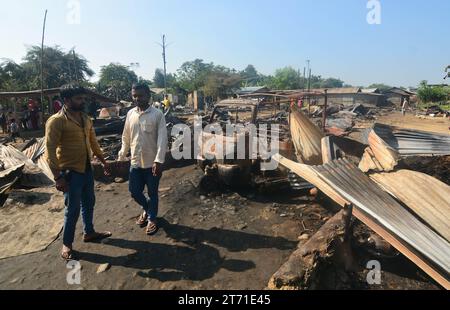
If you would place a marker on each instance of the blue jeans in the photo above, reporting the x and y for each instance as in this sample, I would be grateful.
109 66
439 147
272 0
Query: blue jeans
80 196
139 178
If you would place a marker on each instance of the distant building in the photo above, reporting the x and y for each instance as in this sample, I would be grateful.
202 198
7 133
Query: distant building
395 96
252 90
349 96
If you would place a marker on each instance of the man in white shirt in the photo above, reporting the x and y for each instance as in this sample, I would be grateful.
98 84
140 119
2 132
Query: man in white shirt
145 133
405 106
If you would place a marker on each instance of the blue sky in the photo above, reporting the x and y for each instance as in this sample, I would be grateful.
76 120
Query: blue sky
411 43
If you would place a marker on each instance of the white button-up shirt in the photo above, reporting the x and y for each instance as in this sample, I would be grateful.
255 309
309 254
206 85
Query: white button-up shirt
146 134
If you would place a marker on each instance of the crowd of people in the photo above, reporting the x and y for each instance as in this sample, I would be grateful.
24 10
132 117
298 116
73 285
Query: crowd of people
26 118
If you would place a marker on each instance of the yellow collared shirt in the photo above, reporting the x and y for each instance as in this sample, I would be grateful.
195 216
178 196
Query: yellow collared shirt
69 145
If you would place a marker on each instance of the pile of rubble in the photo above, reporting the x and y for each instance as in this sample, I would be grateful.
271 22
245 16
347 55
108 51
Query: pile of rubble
27 192
408 209
340 119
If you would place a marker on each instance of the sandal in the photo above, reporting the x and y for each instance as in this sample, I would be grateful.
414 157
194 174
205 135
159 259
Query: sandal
151 229
142 220
96 236
68 255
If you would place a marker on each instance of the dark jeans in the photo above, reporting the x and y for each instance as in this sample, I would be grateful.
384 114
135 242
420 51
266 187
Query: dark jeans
139 178
80 196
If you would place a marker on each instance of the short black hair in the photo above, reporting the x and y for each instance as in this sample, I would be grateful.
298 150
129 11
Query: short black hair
141 86
71 90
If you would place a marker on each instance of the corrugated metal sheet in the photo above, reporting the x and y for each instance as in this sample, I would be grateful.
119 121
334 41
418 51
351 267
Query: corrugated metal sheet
345 183
307 138
338 91
8 177
370 90
413 142
33 176
36 153
428 197
380 156
355 186
36 150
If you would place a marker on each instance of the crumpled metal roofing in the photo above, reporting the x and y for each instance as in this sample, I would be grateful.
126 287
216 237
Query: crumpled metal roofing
36 150
9 176
345 183
414 142
428 197
307 138
352 184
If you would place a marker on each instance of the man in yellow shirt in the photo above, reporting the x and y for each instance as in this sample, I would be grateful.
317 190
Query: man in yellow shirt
166 103
70 142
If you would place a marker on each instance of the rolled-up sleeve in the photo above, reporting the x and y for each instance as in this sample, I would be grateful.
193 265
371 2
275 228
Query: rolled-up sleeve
162 141
53 132
125 140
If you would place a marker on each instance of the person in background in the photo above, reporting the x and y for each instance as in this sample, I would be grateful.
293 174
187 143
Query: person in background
14 129
145 134
34 117
166 103
9 117
405 106
70 142
3 122
24 118
292 102
93 107
57 104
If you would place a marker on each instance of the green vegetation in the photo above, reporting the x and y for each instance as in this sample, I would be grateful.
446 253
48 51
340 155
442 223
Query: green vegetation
433 94
115 80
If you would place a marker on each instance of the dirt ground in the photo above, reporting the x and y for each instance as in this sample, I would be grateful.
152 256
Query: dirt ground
409 121
226 240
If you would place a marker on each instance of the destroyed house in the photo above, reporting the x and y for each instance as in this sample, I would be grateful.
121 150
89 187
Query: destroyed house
252 90
348 96
395 96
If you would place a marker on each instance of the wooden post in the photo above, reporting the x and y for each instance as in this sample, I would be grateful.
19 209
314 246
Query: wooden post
324 114
50 105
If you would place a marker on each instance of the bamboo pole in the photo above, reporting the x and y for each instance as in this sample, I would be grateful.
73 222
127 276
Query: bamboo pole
42 63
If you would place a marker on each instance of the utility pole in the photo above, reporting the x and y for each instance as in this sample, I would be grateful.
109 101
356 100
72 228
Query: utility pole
309 90
42 62
304 78
164 46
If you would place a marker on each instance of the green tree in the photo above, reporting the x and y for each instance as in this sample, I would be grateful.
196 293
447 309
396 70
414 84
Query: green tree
116 81
12 76
286 78
158 79
192 75
250 76
221 82
331 83
432 94
59 67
